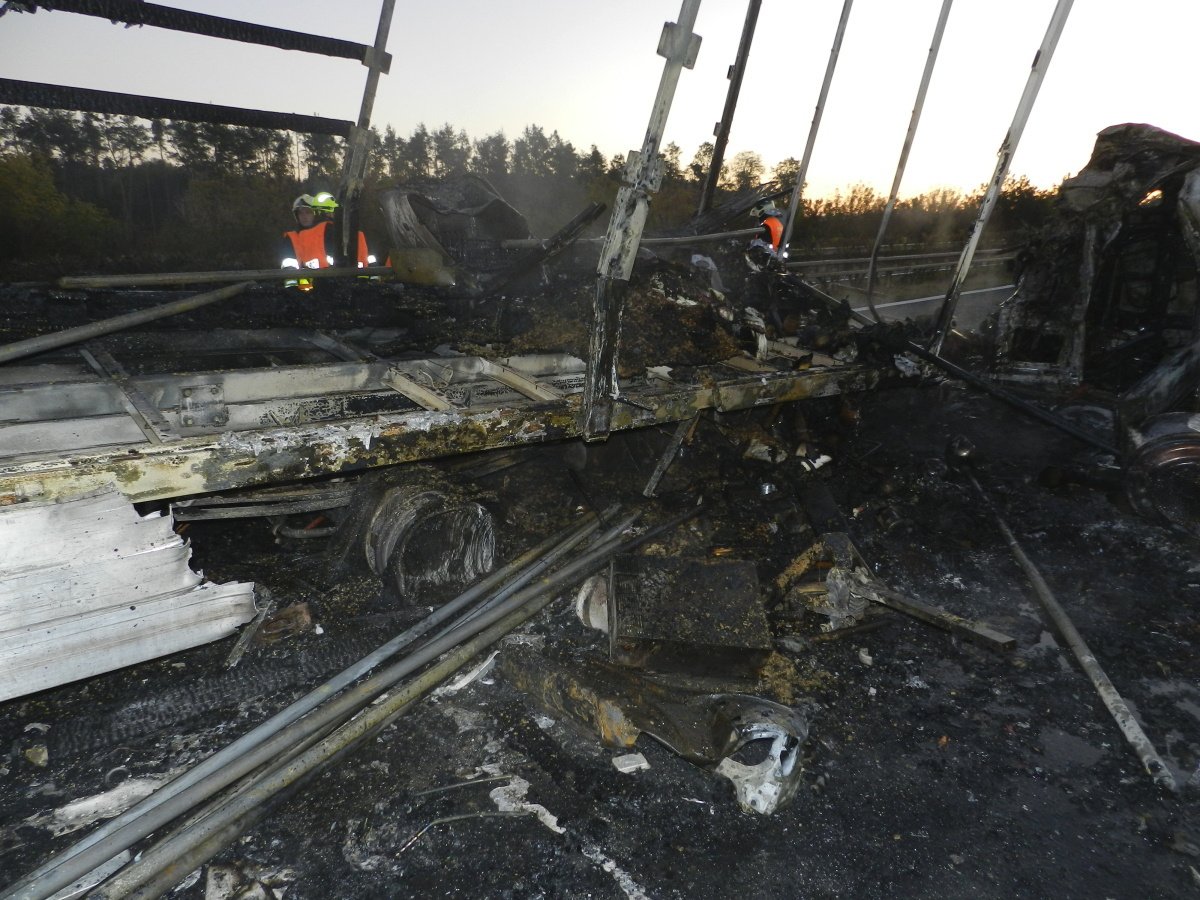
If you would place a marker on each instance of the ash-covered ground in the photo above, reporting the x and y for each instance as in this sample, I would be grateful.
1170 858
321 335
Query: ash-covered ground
933 767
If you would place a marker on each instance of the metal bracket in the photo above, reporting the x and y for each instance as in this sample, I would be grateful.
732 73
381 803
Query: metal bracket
202 406
679 45
148 417
377 59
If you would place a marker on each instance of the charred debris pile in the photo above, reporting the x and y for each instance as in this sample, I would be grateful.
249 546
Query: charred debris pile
711 605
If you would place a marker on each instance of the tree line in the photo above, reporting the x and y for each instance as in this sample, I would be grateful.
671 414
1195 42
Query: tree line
113 193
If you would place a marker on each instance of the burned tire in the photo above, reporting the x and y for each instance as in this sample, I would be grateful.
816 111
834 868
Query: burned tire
1162 480
425 541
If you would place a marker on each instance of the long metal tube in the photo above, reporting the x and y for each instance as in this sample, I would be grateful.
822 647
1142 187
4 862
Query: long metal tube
68 336
165 864
66 866
802 174
464 643
1037 72
167 279
683 240
736 72
1153 763
913 121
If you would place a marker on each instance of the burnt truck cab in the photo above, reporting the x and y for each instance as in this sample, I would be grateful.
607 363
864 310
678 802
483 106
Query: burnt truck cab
1106 307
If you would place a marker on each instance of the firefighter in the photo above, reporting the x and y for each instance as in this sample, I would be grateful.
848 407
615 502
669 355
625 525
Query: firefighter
762 256
313 245
764 248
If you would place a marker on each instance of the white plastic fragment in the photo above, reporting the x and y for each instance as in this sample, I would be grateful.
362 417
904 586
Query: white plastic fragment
453 687
630 762
768 785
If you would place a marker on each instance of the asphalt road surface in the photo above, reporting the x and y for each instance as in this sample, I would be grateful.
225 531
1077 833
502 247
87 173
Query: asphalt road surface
973 306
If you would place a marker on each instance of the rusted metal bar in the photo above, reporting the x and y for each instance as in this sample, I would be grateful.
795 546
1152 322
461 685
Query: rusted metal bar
1141 744
913 121
736 71
136 12
1037 72
682 430
802 174
68 336
167 279
976 632
643 174
54 96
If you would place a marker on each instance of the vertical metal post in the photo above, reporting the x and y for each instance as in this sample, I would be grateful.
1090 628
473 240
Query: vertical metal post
934 46
643 174
358 146
1037 72
736 71
794 207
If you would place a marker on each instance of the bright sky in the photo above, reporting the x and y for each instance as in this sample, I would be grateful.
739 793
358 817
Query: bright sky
588 69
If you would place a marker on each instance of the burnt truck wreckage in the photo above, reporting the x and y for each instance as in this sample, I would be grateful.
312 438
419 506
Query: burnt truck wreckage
735 491
1108 300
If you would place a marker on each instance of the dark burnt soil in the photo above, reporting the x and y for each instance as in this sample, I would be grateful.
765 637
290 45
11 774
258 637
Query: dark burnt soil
934 768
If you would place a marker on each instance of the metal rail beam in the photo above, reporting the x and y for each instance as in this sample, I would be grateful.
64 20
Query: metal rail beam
55 96
136 12
207 463
69 336
358 149
643 174
166 279
938 30
802 174
736 72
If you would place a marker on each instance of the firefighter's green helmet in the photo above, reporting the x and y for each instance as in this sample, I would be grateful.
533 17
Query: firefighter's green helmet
322 203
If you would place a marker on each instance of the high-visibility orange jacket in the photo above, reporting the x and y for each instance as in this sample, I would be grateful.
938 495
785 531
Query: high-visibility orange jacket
775 229
313 248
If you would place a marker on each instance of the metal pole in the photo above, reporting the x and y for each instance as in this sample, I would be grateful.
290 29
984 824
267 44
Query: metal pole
908 140
736 71
643 174
529 565
794 207
167 279
358 148
684 240
465 643
1037 72
1151 761
68 336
